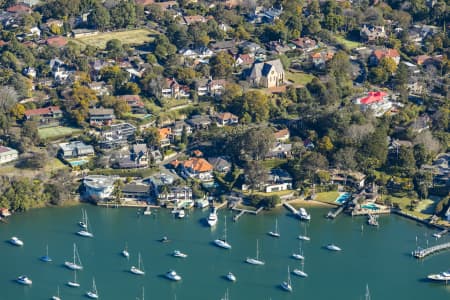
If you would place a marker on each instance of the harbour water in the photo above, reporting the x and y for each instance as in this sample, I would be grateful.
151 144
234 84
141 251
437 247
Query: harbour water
379 257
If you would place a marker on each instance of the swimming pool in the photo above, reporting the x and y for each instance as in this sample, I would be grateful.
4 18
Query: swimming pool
342 198
371 206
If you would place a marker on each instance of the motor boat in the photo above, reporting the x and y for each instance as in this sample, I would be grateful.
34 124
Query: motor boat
172 275
24 280
16 241
231 277
178 253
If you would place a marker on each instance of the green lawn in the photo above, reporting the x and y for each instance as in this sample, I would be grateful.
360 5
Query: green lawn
273 163
347 43
57 132
131 37
299 78
405 202
327 197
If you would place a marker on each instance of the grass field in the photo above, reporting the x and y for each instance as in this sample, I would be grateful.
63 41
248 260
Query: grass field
133 37
57 132
327 197
299 77
347 43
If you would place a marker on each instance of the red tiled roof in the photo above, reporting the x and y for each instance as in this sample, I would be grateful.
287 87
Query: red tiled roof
198 164
164 132
19 8
381 53
56 41
281 133
372 97
226 116
42 111
4 149
194 19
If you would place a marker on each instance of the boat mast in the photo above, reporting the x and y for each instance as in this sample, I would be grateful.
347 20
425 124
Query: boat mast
367 293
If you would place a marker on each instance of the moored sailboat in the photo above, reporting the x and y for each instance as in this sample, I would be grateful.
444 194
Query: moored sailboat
46 258
93 294
223 242
287 285
85 231
138 270
74 283
75 264
57 297
275 233
255 260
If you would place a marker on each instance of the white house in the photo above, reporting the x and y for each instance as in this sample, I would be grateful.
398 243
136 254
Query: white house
8 154
99 187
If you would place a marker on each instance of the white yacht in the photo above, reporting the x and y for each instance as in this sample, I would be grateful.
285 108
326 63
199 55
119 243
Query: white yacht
74 283
85 231
223 242
24 280
178 253
16 241
57 297
138 270
125 252
255 260
212 218
333 247
75 264
303 214
93 294
287 285
298 255
301 272
275 233
443 276
231 277
172 275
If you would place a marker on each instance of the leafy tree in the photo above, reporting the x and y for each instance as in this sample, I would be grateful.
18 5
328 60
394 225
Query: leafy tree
255 174
345 158
325 145
221 65
256 104
256 142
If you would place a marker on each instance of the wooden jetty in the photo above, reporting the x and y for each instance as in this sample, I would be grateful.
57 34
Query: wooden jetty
332 214
421 253
290 208
244 211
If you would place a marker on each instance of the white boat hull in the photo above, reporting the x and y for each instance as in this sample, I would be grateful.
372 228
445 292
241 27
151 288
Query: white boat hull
15 241
173 276
92 295
299 273
222 244
136 271
298 256
85 233
73 284
304 238
231 277
125 253
333 248
254 261
287 287
24 280
73 266
273 234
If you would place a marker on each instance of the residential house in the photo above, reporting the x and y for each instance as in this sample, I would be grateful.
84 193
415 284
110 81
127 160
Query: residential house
173 194
216 87
188 20
416 85
134 102
117 135
166 5
199 122
75 153
77 33
101 116
226 118
196 167
178 127
98 187
249 47
228 46
277 180
244 60
420 124
279 47
267 74
156 156
378 102
370 33
379 54
220 164
60 70
8 154
56 41
100 88
280 150
47 116
136 157
134 191
282 135
19 9
29 72
305 44
171 89
319 59
165 135
348 178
